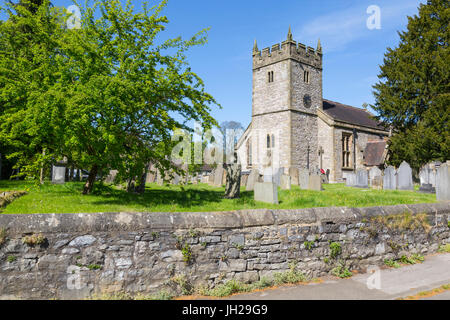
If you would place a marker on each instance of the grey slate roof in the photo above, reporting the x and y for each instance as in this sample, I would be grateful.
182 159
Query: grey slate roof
374 153
349 114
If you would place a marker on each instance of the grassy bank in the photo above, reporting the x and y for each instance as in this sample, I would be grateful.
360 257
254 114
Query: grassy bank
67 198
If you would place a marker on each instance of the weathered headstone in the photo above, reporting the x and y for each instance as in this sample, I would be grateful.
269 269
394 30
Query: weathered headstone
375 180
159 178
404 177
277 173
390 178
211 177
205 179
303 178
111 176
151 176
443 182
218 176
244 179
323 178
350 180
362 179
252 179
266 192
315 182
58 174
285 182
425 176
268 174
293 173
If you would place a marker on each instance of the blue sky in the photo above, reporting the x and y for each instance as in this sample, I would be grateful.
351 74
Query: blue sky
352 52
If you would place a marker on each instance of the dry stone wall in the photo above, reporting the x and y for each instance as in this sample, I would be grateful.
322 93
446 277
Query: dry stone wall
77 255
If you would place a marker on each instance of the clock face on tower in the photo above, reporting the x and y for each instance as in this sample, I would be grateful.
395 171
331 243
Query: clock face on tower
307 100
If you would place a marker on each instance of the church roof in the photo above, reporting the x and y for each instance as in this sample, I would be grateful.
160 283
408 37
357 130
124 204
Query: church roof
374 153
349 114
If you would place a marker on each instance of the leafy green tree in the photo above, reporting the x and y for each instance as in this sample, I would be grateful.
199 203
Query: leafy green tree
126 89
413 94
111 92
28 47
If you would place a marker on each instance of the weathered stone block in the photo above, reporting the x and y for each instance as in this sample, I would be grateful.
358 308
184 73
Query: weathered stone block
266 192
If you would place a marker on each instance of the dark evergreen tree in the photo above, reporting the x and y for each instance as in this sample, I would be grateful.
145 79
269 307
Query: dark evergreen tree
413 94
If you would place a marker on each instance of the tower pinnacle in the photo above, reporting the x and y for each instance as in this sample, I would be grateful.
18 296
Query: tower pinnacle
319 46
255 47
289 36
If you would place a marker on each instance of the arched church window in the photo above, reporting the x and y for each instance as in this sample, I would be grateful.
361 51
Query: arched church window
268 141
273 141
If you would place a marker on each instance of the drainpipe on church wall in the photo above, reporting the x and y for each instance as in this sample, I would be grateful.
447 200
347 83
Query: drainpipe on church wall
354 149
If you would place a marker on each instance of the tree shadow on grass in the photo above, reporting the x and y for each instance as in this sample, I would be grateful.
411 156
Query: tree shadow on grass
183 197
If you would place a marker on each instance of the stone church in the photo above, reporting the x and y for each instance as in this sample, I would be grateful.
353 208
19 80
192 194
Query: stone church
294 126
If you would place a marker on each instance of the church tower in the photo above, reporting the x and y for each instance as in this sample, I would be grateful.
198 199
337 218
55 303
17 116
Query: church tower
287 92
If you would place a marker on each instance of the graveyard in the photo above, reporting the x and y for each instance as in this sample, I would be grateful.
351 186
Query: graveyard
66 198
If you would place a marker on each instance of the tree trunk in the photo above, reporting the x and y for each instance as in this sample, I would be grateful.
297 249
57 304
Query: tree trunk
233 184
141 188
41 175
91 179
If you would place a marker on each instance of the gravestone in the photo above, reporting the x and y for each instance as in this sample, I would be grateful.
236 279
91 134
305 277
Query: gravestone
111 176
404 177
315 182
323 178
58 174
293 173
277 173
151 177
443 182
303 178
204 179
268 174
285 182
362 179
252 179
211 177
218 176
390 178
375 178
159 178
176 179
244 179
266 192
426 183
350 180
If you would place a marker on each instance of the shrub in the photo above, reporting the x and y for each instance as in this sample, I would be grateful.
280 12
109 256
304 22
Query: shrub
341 271
3 235
391 263
335 249
187 253
33 239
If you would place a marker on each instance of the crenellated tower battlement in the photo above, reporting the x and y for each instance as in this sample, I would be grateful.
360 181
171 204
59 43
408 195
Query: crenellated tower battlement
288 49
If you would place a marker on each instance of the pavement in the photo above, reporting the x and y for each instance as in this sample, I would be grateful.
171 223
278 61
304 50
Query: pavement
382 284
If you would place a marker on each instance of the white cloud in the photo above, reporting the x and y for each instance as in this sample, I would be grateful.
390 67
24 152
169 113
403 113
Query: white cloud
337 29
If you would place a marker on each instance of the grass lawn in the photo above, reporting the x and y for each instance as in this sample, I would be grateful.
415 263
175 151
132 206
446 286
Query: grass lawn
67 198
